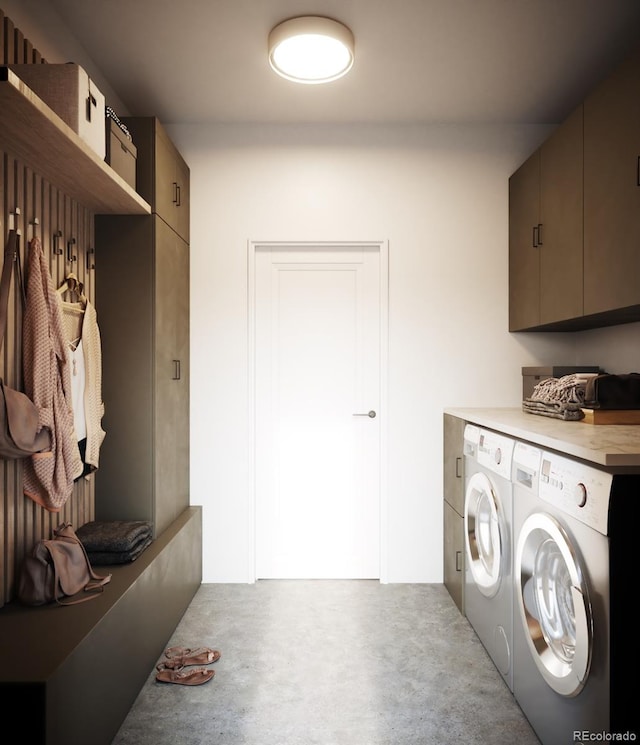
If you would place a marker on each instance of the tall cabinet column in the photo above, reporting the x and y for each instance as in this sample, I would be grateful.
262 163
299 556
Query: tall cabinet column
143 311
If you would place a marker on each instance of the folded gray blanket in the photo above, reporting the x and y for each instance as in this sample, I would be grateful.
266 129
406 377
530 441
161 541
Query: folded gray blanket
556 410
102 558
559 398
568 389
114 536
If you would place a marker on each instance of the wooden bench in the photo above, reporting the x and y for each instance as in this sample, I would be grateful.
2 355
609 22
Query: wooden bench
74 672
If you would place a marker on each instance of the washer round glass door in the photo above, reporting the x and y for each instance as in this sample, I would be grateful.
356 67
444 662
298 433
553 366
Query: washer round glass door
483 534
554 604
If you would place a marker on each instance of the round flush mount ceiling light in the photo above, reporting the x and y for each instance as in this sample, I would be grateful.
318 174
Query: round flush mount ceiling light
311 49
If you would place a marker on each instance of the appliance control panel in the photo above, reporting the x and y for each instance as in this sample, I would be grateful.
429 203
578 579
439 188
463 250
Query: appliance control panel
525 471
495 452
579 490
471 440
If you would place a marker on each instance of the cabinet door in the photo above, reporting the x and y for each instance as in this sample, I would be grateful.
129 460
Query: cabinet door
171 372
171 184
454 555
559 234
453 463
545 231
184 196
612 191
453 505
524 258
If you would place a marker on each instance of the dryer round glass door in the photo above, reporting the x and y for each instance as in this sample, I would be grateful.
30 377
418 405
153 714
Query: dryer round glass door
483 534
554 604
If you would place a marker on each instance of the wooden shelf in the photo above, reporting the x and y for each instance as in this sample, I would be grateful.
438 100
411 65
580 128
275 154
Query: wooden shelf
31 131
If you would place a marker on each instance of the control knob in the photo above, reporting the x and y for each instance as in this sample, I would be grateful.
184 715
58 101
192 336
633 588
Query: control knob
580 494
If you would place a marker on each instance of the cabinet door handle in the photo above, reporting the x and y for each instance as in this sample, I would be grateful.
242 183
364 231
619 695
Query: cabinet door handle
458 468
540 234
176 370
458 561
175 192
534 241
638 172
179 196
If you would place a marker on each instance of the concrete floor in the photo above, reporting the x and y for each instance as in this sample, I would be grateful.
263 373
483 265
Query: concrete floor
329 662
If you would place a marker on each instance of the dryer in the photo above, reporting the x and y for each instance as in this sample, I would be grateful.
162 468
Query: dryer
488 543
576 643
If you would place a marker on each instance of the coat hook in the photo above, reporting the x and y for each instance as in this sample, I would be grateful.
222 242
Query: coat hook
90 262
57 250
71 257
13 219
33 224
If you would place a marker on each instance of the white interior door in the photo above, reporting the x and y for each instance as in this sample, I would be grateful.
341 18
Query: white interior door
317 371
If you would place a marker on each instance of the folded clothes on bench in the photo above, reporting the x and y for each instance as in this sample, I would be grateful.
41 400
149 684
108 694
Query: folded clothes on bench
106 558
115 541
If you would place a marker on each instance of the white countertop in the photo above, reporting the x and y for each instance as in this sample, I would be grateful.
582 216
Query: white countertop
611 445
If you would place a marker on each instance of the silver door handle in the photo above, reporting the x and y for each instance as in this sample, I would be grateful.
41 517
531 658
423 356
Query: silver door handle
371 414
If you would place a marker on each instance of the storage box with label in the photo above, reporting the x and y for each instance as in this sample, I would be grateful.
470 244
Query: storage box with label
121 152
69 91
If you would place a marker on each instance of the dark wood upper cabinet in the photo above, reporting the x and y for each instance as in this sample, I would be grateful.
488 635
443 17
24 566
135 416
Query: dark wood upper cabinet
574 216
545 231
612 191
162 174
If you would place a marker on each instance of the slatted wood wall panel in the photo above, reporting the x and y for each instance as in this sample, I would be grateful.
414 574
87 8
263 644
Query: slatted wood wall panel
65 228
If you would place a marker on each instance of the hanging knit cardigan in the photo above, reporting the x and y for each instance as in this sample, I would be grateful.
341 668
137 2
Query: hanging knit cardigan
92 394
48 476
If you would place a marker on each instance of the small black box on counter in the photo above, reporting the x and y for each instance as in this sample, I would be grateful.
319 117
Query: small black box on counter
531 376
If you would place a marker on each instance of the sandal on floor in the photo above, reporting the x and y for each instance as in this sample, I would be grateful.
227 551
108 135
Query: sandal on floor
195 677
179 657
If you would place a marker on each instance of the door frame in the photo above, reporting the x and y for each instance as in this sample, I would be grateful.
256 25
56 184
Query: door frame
382 248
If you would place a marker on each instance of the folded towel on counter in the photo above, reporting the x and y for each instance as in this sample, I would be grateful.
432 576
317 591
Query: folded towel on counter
560 398
115 541
557 410
567 389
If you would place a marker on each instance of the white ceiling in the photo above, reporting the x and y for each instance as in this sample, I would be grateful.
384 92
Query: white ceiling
429 61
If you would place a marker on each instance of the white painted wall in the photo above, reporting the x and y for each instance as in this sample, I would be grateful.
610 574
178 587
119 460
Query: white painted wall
439 196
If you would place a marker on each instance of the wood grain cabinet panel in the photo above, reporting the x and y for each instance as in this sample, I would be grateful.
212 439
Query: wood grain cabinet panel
524 258
612 191
163 177
575 264
453 507
145 334
545 231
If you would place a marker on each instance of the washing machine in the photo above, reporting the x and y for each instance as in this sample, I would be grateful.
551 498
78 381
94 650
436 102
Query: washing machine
488 543
575 636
